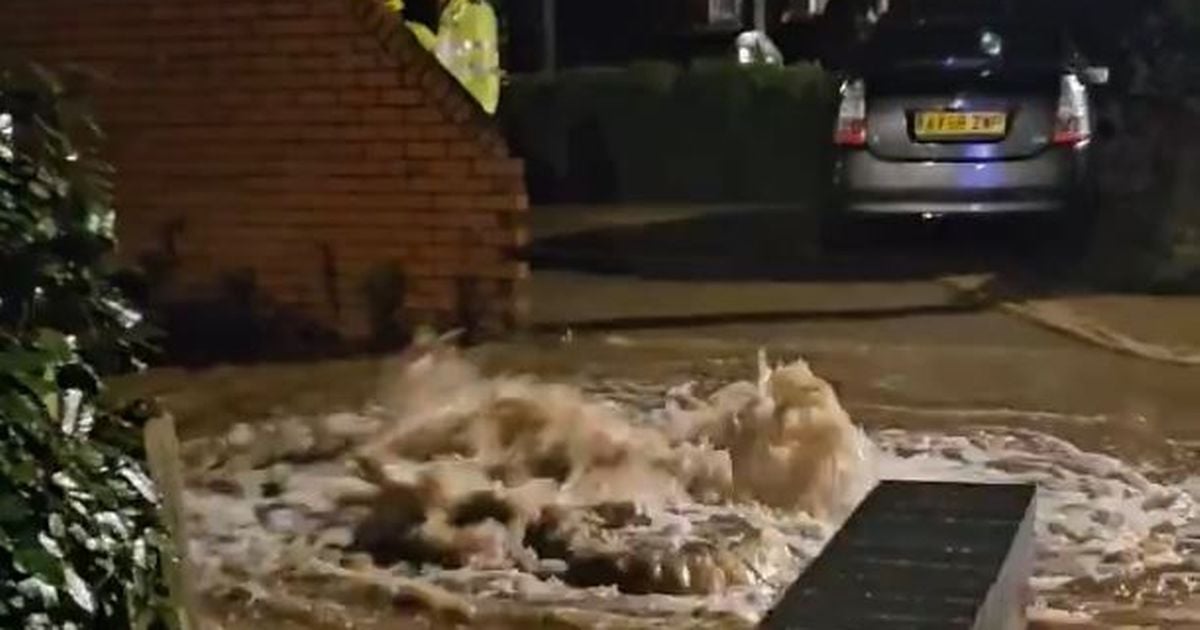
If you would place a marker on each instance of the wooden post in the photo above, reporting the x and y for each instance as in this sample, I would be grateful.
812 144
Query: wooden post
760 16
166 466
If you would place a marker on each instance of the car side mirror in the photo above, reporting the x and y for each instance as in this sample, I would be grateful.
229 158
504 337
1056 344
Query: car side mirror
1095 75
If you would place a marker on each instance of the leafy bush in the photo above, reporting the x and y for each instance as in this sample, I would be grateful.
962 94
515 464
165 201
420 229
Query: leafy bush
714 132
80 540
1186 13
1149 170
1149 236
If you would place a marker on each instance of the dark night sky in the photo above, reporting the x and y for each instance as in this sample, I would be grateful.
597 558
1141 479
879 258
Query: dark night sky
615 32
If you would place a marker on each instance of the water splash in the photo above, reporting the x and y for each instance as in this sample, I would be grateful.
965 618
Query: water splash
503 473
492 494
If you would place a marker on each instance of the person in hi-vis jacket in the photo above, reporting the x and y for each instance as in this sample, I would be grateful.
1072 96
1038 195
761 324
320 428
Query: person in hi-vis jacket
466 42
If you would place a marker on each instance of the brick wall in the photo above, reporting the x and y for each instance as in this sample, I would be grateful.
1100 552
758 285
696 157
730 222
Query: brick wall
310 141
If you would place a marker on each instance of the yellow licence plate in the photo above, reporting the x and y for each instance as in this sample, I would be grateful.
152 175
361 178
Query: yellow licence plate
938 125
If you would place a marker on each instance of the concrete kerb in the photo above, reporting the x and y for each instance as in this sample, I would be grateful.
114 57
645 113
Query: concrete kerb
1061 318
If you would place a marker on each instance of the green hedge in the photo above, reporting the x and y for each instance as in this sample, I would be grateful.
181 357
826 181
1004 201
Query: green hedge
81 544
714 132
1148 235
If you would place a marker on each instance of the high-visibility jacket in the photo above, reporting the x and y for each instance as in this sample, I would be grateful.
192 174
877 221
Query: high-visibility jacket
467 45
423 34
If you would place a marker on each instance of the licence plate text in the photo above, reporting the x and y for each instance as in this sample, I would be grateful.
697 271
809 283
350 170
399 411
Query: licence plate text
935 125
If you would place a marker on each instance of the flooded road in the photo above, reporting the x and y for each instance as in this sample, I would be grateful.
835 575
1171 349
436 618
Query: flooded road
1116 528
943 391
1086 424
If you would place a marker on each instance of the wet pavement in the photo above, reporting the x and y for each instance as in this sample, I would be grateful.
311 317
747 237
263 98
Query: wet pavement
877 318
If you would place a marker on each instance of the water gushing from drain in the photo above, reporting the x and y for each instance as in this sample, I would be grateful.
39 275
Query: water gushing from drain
469 492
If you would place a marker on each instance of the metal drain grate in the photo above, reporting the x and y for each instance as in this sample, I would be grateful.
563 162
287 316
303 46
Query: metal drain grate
920 556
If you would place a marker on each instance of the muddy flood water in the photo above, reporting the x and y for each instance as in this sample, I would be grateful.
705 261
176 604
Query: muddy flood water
688 500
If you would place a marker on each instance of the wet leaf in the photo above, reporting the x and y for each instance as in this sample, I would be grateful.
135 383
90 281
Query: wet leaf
39 190
78 590
57 528
50 545
142 483
36 589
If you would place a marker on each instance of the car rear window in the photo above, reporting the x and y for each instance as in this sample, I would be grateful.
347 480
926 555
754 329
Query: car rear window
941 57
964 45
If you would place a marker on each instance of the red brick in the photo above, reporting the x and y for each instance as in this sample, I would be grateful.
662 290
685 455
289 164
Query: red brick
508 184
377 78
388 151
317 97
433 132
328 44
289 46
433 184
334 80
442 168
175 11
357 96
425 116
476 186
501 167
380 114
511 202
230 8
117 50
497 237
272 126
474 221
462 149
349 61
400 96
314 63
196 47
425 150
393 131
290 26
287 8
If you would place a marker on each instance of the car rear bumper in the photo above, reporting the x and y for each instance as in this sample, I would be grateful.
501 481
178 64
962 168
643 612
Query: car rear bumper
1048 182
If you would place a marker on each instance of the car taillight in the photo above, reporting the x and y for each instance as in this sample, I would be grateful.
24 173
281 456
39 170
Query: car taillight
1073 123
852 116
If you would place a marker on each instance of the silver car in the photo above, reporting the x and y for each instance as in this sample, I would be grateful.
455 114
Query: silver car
964 116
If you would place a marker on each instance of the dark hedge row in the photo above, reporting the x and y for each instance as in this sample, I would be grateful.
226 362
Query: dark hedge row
655 132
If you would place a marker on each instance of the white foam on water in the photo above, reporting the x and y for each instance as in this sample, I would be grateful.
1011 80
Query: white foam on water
693 505
1102 527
